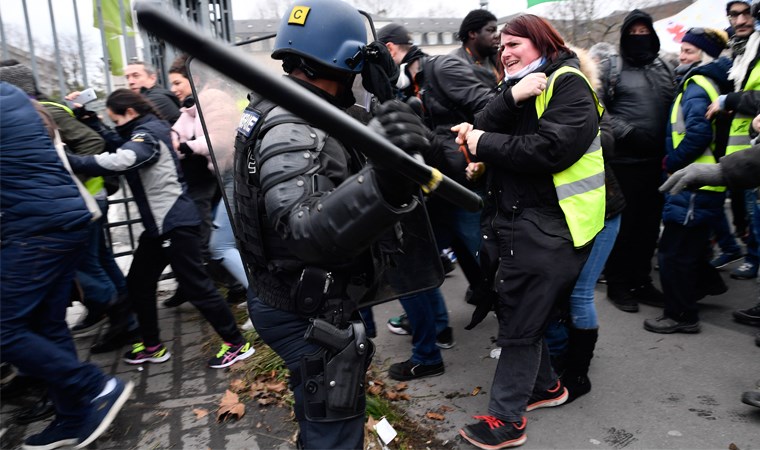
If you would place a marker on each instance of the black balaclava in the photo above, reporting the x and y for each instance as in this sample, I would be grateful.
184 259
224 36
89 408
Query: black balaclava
639 50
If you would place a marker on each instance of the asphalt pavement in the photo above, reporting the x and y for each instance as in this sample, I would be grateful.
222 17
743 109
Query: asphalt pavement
650 391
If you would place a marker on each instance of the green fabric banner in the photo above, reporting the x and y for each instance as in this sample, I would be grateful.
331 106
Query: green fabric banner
112 30
536 2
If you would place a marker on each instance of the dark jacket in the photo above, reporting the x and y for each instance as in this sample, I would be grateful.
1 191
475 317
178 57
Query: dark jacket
150 167
486 73
165 102
451 94
696 207
638 111
37 193
741 170
521 156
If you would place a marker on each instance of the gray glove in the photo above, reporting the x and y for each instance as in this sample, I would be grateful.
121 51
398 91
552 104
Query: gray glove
694 176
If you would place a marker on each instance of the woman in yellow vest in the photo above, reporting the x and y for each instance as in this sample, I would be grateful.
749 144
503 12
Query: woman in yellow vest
684 252
540 141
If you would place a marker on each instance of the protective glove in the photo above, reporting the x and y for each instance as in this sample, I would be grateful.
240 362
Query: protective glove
380 72
694 176
484 300
397 122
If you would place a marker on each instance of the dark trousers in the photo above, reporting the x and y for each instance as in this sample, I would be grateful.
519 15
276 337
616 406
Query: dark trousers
685 271
283 332
179 247
630 263
205 194
519 366
35 283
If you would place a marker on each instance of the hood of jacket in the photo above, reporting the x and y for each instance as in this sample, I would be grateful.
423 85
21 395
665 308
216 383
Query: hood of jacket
634 16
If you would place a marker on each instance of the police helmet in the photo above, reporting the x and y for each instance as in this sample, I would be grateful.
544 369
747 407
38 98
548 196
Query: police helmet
330 32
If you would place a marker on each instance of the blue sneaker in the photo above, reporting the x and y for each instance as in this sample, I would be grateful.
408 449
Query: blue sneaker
57 434
725 259
105 407
747 271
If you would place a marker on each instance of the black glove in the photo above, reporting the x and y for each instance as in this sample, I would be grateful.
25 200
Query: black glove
484 300
397 122
380 72
185 149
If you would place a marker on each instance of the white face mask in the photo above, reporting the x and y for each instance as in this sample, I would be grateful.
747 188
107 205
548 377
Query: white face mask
403 81
526 70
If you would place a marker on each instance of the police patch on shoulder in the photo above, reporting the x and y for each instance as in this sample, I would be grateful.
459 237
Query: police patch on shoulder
248 121
298 15
139 137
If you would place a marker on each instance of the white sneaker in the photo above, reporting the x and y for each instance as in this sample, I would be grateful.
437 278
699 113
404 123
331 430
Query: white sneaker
248 325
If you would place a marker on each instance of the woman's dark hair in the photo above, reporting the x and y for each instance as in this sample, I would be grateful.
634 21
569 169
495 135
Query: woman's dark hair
179 65
121 99
544 36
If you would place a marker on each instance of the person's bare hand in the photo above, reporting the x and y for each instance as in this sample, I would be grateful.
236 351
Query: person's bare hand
475 170
462 130
713 109
531 86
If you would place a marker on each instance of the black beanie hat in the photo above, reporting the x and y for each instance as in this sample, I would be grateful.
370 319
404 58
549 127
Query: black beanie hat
18 75
474 21
395 34
709 40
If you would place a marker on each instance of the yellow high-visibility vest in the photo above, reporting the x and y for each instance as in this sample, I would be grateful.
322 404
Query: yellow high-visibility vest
738 135
678 124
94 184
580 188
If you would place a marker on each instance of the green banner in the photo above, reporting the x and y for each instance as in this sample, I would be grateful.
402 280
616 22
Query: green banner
537 2
112 31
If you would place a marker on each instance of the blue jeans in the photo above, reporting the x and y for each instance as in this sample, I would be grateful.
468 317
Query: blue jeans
582 307
753 240
97 287
723 235
35 284
284 333
222 246
427 316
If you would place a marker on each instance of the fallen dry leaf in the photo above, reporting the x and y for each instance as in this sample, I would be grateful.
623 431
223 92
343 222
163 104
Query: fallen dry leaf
435 416
475 391
375 390
230 406
403 396
237 385
401 386
266 401
278 387
445 408
370 424
391 395
200 413
378 382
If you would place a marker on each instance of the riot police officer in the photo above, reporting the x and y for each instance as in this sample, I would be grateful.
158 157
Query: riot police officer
309 216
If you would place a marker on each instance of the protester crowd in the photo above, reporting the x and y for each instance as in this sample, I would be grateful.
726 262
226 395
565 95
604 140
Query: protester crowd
567 148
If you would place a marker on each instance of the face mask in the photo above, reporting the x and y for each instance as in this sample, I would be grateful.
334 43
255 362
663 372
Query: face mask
525 70
403 81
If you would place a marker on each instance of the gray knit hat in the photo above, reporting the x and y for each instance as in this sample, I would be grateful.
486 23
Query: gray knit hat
18 75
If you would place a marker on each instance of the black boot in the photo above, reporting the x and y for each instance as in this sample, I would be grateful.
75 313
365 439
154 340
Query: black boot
41 410
580 350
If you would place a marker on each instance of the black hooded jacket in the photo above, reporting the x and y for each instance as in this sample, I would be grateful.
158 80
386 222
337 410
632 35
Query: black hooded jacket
643 95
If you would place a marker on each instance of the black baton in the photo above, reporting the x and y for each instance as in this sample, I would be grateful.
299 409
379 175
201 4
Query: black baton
236 65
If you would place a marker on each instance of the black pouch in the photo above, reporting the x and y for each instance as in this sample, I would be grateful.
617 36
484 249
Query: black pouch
311 290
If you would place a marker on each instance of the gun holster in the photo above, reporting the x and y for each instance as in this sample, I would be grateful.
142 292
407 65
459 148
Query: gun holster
333 377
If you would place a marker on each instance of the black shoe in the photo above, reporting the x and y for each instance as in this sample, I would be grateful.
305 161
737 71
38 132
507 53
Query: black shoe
408 370
649 295
448 265
41 410
666 325
623 301
445 338
174 301
57 434
751 398
576 385
546 399
749 316
493 433
115 341
92 321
